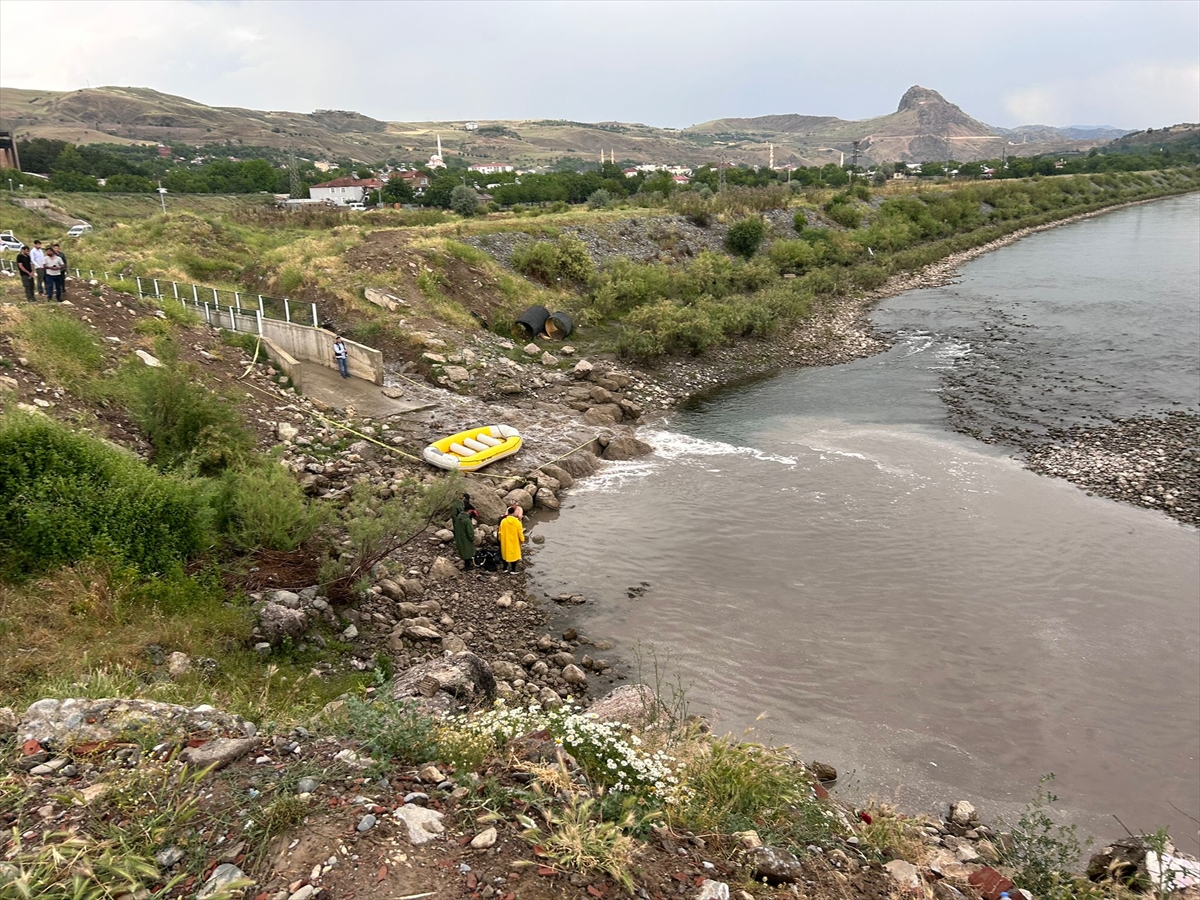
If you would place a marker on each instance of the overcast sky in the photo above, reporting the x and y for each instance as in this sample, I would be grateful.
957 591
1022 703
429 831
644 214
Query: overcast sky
1129 64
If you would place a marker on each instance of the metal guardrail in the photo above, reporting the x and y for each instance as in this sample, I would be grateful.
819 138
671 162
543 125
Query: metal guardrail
215 303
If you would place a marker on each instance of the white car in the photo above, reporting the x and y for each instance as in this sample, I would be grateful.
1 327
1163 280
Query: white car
9 242
79 230
357 207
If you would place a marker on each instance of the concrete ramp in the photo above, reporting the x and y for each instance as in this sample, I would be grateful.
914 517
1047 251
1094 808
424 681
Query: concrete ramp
368 399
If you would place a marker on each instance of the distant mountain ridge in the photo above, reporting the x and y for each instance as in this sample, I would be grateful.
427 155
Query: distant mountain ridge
925 126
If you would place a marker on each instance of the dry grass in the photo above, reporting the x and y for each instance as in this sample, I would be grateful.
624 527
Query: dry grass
889 831
95 615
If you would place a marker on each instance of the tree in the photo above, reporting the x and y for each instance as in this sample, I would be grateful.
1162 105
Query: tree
397 190
464 200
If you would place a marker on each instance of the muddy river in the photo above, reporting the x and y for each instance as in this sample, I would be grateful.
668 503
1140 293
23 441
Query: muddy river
821 559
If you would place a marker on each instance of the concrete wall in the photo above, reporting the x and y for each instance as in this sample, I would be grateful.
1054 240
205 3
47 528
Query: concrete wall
305 344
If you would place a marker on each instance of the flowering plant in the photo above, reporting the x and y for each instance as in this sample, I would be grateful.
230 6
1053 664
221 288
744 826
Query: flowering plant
608 752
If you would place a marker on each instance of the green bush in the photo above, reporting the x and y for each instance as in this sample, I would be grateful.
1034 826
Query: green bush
186 424
796 257
464 200
848 215
566 259
391 730
745 236
67 496
800 221
599 199
262 505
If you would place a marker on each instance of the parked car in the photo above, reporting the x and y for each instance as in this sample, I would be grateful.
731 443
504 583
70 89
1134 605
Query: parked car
8 241
358 207
79 230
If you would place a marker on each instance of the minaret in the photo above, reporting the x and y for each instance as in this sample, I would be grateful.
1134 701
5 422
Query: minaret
439 146
772 163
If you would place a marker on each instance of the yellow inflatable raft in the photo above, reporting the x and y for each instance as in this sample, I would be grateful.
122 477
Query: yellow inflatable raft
473 449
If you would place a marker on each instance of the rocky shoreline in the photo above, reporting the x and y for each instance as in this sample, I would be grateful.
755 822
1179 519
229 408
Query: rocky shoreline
1159 453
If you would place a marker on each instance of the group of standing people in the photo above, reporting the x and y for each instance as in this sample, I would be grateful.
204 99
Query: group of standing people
511 532
42 272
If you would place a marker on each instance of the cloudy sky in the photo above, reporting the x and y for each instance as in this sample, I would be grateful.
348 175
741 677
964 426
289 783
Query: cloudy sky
1129 64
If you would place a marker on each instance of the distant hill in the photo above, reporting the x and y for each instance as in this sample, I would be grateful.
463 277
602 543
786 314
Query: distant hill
925 126
1181 137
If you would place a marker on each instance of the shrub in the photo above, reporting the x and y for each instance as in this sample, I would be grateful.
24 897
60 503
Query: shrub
393 730
599 199
745 236
1042 851
464 200
793 256
565 259
185 423
845 214
800 221
66 496
263 506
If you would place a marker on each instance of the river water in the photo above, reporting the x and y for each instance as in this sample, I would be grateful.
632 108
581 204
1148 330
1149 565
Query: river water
819 557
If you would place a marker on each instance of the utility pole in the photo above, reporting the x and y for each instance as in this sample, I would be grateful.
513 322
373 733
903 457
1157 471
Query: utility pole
162 195
854 159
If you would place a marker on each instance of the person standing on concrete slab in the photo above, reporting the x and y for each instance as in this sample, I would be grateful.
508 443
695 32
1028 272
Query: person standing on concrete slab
28 273
339 353
39 265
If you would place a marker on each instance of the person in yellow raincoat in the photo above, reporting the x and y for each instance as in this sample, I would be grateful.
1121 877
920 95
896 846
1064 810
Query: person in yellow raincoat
512 535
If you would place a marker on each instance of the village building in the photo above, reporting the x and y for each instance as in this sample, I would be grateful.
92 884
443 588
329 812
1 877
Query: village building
344 191
418 181
491 168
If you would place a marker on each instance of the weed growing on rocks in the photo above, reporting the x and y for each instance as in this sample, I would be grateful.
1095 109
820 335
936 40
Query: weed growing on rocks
392 730
1042 850
737 786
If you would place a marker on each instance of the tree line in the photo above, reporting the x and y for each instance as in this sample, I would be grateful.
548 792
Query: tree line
141 169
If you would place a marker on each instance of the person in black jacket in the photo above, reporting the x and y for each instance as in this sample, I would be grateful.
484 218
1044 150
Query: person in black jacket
28 273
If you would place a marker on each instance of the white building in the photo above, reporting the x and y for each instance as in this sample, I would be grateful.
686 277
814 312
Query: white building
344 191
491 168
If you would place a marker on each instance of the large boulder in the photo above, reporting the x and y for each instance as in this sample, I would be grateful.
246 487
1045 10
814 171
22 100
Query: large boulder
626 446
559 474
603 414
61 724
487 502
442 569
277 622
440 686
635 705
774 865
519 497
